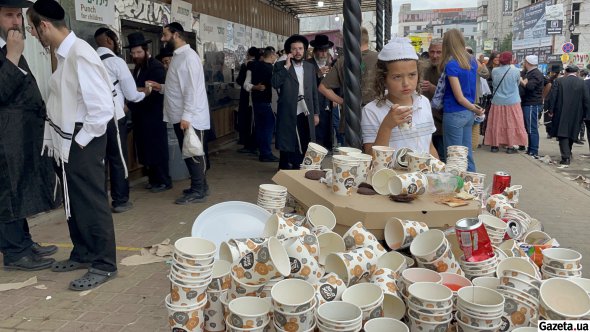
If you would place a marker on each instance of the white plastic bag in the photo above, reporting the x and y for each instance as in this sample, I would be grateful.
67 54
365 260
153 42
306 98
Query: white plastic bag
192 145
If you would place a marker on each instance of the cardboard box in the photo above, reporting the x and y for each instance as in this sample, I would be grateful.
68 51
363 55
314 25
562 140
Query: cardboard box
373 211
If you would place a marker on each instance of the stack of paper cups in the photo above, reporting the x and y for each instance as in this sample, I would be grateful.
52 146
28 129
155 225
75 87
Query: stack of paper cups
344 172
272 197
457 159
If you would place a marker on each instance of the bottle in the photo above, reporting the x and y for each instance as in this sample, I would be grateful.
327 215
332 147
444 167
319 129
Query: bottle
443 183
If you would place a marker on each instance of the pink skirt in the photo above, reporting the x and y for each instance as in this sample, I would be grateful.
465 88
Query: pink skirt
505 126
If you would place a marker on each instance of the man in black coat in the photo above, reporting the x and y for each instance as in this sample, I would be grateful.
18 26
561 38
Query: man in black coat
27 180
322 64
150 131
570 104
298 108
247 136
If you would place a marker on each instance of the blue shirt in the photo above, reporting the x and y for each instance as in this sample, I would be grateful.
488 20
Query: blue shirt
507 92
467 79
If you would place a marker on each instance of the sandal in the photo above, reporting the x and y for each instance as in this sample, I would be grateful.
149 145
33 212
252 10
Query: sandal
91 279
68 265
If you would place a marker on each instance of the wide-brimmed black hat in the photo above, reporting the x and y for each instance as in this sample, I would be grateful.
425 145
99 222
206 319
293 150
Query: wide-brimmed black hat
320 42
293 39
15 3
136 39
164 53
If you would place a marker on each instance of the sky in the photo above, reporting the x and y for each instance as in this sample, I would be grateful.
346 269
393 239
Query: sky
428 4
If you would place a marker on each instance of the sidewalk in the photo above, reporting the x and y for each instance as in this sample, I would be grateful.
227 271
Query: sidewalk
134 300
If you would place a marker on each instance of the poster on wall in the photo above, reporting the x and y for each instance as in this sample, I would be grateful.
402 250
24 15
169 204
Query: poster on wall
265 38
529 29
256 37
240 45
229 36
274 40
96 11
554 16
248 36
213 29
182 12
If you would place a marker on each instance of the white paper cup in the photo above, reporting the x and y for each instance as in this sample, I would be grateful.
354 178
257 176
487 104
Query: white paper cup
380 180
249 312
214 312
292 295
315 154
330 242
346 151
382 157
399 233
187 318
282 228
345 169
365 166
408 184
319 215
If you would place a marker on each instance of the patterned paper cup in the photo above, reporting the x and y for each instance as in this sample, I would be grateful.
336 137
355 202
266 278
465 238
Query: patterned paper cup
246 245
239 289
268 262
221 276
429 246
498 205
419 162
393 261
214 312
436 165
345 169
315 154
408 184
302 253
368 297
365 166
359 237
319 215
399 233
446 263
249 312
301 321
187 295
283 228
346 151
292 295
329 288
228 251
380 180
382 157
386 279
401 161
353 266
187 318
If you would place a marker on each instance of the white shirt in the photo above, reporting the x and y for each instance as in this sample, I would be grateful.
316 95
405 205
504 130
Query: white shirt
417 137
120 73
185 97
299 72
94 109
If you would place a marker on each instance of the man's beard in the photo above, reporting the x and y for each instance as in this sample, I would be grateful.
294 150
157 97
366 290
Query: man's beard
141 62
171 45
297 61
321 61
4 33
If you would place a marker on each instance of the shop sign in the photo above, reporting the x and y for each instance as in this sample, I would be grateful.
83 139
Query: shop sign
182 12
96 11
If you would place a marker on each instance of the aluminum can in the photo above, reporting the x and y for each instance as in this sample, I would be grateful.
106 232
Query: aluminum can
473 240
501 181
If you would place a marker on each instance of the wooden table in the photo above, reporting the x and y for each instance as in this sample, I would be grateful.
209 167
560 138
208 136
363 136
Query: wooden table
373 211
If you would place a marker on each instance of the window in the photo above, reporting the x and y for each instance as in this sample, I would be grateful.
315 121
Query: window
575 41
576 13
418 28
439 30
406 30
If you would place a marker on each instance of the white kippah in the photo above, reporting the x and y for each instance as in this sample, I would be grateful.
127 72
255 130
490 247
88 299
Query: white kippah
398 49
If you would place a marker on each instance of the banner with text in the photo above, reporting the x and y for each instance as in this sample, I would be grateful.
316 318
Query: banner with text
213 29
96 11
529 30
182 12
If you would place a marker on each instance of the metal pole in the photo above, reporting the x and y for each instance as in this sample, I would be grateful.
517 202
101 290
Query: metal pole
388 18
379 11
352 71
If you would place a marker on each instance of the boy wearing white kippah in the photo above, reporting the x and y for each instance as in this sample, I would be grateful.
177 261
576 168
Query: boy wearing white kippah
400 116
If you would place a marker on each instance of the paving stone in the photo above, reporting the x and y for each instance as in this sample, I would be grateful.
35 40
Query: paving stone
91 317
41 324
121 318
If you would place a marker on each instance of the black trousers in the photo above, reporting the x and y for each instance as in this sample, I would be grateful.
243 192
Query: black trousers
323 131
197 166
587 122
246 130
293 159
15 240
565 147
119 184
159 174
91 223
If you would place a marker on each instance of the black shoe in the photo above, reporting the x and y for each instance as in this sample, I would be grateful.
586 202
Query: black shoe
161 187
564 161
579 142
148 186
511 150
269 159
40 250
191 198
120 208
495 149
521 148
245 150
30 263
190 191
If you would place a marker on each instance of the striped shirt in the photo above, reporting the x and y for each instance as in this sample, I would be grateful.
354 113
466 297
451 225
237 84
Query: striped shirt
417 137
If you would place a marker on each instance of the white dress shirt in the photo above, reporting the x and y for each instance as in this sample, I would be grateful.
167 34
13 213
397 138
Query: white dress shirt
95 106
299 72
120 73
185 97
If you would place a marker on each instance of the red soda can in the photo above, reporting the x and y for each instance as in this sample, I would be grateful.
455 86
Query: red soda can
501 182
473 240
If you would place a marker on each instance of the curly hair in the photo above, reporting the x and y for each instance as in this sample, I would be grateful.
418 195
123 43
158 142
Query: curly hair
380 77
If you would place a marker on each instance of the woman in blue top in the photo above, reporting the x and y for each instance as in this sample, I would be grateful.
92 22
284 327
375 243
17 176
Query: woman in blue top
459 109
506 123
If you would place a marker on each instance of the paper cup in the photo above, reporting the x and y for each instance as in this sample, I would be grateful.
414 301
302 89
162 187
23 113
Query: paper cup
229 251
346 151
399 233
353 266
315 154
283 228
329 242
400 159
187 295
249 312
365 166
329 288
189 318
393 261
345 169
292 295
419 162
302 253
386 279
319 215
221 279
214 312
359 237
380 180
408 184
382 157
247 245
239 289
268 262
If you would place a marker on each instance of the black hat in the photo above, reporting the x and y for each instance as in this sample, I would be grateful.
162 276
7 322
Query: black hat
176 26
321 42
101 31
15 3
164 53
136 39
572 69
50 9
293 39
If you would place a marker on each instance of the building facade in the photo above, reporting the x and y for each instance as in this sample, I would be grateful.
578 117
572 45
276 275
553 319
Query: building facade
419 21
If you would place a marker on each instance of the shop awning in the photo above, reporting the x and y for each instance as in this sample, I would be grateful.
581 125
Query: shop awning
311 8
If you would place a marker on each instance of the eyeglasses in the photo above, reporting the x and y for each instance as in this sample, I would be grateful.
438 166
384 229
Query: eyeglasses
29 29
